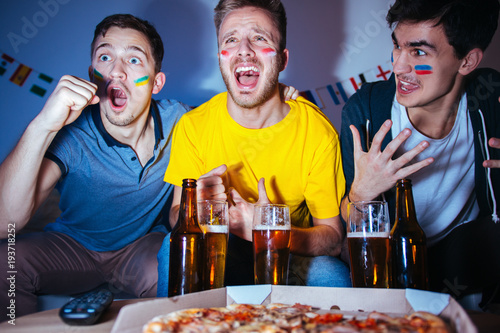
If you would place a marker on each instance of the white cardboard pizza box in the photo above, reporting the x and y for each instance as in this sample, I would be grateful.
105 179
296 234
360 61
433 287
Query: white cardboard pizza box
350 301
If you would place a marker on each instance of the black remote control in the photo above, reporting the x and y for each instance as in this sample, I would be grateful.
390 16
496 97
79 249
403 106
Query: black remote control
86 309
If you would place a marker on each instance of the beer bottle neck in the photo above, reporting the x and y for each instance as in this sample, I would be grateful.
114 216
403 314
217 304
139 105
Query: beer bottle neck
405 207
188 208
406 217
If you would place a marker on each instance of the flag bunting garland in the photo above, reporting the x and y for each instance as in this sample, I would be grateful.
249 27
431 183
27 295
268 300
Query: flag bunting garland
340 92
24 76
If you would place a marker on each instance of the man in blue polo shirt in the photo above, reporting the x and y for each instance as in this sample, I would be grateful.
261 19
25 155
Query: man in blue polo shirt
105 145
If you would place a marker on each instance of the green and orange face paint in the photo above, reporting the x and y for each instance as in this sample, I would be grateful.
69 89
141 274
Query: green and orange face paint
98 75
138 82
141 81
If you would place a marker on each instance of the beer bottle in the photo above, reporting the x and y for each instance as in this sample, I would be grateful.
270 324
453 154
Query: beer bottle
408 242
187 246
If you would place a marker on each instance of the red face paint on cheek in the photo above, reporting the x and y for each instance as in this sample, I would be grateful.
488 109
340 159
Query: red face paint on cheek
269 52
224 53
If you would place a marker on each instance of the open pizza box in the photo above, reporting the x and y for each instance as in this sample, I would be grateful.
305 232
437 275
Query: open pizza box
349 301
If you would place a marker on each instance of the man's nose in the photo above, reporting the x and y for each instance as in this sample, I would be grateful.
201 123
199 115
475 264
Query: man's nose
118 71
400 63
245 49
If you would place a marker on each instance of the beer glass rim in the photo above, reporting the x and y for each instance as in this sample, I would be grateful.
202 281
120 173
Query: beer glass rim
355 209
368 202
212 201
271 205
261 208
214 207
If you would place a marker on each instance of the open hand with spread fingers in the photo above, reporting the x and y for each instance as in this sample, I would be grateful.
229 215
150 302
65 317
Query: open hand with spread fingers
376 171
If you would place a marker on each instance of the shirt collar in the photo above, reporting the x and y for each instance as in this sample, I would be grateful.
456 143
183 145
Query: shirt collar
110 141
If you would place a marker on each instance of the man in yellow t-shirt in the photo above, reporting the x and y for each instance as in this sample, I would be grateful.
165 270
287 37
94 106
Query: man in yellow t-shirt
249 146
299 157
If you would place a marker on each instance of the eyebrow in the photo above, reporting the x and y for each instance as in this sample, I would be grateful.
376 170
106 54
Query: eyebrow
256 30
128 48
417 43
227 34
265 33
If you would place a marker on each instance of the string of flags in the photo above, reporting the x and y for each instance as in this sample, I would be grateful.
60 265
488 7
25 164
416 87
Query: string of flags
23 75
339 93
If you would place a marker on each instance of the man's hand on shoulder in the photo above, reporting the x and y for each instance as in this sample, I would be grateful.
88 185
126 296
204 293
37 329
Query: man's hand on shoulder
289 92
67 101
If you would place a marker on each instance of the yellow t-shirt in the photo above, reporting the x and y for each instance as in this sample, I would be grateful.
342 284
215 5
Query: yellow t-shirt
299 157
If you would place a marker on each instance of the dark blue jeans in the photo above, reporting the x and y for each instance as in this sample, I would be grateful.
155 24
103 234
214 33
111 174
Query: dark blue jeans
467 260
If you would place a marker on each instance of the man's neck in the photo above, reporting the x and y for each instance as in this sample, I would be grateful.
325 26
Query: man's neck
267 114
437 119
139 135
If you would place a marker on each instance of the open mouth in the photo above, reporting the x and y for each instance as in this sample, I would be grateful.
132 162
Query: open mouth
247 76
406 87
117 98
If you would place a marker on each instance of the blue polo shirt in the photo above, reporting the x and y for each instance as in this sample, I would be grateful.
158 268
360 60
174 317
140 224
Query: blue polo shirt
108 199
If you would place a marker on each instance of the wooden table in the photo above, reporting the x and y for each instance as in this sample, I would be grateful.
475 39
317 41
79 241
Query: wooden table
49 321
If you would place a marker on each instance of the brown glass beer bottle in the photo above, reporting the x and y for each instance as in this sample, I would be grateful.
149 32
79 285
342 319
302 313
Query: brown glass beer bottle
187 246
408 242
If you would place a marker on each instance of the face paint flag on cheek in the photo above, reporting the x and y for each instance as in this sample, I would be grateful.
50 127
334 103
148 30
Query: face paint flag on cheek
141 81
269 52
423 69
98 75
224 54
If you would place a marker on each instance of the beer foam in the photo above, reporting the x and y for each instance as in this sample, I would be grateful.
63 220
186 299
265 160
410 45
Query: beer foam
360 234
218 229
271 227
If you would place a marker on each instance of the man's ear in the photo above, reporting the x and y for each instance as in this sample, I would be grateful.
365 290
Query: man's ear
471 61
284 58
159 82
91 74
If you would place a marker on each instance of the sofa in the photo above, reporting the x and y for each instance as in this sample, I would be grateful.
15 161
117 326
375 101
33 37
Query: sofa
46 213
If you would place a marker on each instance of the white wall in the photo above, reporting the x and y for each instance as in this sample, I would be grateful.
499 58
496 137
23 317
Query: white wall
330 41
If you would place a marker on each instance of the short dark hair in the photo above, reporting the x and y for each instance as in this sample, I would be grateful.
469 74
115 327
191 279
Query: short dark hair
274 7
129 21
467 23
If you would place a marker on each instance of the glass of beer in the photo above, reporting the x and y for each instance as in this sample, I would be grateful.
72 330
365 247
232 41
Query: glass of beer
213 219
368 232
271 243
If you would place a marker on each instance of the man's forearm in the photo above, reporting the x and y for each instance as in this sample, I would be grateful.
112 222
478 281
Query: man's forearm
19 177
343 208
316 241
174 215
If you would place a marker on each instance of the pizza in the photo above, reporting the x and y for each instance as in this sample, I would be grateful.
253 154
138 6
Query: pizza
284 318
